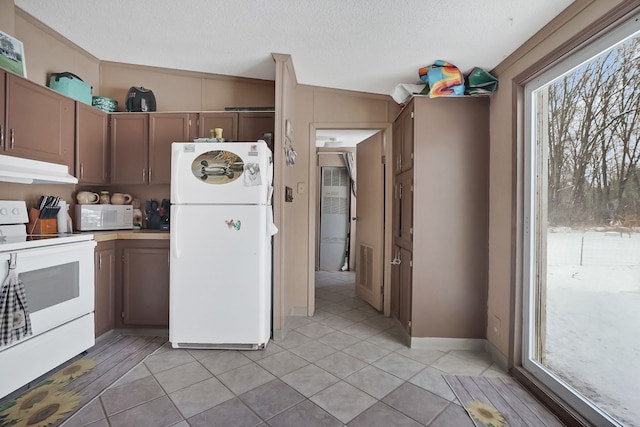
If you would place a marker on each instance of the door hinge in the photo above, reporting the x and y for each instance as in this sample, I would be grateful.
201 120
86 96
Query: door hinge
411 263
412 115
400 191
410 230
122 314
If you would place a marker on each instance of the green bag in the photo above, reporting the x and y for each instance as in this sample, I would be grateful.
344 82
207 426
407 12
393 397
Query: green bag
479 82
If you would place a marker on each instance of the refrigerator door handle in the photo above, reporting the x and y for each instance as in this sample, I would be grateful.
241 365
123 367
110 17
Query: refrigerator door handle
174 236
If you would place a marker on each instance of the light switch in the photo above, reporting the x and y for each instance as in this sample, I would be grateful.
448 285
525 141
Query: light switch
301 188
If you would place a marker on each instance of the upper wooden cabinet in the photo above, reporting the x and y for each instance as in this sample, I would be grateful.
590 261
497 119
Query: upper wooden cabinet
228 121
164 129
253 126
92 145
129 148
403 140
39 122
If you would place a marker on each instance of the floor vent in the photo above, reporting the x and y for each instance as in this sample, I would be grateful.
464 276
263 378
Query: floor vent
365 267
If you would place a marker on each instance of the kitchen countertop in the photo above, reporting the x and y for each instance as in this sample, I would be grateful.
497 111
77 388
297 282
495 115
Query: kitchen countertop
103 236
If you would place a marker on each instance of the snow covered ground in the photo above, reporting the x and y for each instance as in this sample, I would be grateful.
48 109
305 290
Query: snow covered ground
593 317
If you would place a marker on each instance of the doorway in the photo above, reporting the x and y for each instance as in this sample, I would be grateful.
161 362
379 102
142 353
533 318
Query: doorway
331 242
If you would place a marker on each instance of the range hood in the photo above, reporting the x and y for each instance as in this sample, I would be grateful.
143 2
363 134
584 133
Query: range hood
25 171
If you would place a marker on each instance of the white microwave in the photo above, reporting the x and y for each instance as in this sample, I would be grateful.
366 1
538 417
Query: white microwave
104 217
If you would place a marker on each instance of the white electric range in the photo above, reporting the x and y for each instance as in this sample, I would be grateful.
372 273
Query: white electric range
57 271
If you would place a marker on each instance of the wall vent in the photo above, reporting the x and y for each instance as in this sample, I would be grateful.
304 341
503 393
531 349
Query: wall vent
365 266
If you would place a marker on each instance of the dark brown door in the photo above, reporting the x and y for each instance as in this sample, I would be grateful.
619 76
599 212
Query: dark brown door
145 289
92 145
407 138
164 129
129 148
105 255
253 126
3 126
227 121
40 123
406 288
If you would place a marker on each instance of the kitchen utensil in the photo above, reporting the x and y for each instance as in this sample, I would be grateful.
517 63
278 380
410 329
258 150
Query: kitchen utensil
153 214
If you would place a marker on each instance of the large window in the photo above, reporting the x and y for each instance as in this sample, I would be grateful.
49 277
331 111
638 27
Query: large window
582 228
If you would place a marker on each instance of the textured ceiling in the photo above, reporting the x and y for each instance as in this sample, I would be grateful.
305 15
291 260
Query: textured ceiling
365 45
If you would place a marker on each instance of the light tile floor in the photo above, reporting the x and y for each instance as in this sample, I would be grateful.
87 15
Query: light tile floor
344 366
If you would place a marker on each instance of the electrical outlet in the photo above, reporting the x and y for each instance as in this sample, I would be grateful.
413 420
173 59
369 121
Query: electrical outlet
301 188
495 325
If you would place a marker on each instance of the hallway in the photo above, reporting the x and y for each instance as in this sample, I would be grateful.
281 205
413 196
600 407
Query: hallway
344 366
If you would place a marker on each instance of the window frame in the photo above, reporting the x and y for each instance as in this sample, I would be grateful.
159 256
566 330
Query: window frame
533 163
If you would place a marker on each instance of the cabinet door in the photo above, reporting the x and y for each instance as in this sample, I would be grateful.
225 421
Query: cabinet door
397 146
129 148
3 128
145 286
105 255
395 283
164 128
40 123
253 126
407 138
227 121
405 288
92 145
403 209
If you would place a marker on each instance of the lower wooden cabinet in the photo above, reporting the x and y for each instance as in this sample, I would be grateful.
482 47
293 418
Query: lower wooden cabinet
145 282
105 269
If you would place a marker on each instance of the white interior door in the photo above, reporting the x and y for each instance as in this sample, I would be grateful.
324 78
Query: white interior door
370 221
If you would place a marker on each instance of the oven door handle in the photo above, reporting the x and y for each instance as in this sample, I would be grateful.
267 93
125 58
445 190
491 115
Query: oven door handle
13 260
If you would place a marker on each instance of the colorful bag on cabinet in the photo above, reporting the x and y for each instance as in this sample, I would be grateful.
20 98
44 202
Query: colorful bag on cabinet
443 78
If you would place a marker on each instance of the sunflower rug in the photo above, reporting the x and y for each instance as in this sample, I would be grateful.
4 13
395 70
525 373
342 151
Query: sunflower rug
61 393
499 402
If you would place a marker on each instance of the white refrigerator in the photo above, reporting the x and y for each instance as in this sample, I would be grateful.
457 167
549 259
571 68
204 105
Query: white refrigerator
221 228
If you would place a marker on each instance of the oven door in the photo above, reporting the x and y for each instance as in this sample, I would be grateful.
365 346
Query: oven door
58 280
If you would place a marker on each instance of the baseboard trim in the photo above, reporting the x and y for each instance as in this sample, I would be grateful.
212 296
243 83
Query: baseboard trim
446 344
499 359
298 311
280 334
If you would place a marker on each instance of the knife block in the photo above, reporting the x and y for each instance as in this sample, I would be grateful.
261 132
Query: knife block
37 225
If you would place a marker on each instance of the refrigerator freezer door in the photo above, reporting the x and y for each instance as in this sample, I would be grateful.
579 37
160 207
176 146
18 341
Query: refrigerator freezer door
220 292
221 173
